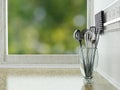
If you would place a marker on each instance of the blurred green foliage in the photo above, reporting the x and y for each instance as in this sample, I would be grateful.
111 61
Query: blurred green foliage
44 26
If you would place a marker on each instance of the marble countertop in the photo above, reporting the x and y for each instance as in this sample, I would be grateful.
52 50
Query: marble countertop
49 79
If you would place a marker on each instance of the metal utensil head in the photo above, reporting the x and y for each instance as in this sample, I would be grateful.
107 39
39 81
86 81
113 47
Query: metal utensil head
89 38
77 35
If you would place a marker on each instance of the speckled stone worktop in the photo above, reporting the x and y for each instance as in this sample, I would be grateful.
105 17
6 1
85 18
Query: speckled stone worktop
99 82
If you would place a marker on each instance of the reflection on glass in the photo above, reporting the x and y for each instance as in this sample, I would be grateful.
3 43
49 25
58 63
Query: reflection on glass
44 83
44 26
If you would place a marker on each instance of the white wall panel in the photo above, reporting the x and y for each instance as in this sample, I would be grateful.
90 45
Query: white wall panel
109 44
102 4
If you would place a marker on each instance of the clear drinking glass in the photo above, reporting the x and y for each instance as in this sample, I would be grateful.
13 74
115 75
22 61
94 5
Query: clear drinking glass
88 62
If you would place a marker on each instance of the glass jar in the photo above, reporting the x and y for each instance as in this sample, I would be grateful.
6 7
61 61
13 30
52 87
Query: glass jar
88 58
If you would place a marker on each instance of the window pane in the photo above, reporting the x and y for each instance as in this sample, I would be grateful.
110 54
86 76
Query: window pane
44 26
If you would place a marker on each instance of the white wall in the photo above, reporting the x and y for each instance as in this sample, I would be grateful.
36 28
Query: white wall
101 4
109 56
109 49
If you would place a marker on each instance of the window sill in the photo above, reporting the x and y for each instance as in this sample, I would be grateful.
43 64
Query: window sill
62 78
39 66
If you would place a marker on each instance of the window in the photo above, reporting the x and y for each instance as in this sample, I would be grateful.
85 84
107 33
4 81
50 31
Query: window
44 26
14 50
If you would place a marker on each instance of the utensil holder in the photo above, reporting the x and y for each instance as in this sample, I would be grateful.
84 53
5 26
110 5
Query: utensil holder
88 58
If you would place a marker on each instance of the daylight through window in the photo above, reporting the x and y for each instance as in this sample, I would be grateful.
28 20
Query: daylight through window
44 26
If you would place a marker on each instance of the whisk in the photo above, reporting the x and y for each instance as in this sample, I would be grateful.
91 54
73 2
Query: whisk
95 44
89 37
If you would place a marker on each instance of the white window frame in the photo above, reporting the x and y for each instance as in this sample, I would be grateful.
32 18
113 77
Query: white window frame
35 60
